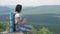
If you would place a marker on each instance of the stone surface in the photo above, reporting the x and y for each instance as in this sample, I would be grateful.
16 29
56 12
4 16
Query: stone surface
11 33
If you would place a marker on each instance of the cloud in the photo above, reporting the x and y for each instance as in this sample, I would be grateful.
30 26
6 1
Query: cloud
30 2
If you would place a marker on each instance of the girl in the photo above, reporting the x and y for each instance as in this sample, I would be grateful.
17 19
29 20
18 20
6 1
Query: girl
18 22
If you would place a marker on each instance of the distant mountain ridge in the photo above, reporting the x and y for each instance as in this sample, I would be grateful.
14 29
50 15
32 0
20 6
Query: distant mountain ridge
43 9
34 10
4 9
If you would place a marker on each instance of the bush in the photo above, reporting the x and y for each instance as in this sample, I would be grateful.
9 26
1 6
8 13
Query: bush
45 31
3 26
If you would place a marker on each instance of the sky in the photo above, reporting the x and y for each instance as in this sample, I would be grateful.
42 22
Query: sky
30 2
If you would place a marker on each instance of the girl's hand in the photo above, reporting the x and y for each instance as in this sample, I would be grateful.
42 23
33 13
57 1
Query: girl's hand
24 21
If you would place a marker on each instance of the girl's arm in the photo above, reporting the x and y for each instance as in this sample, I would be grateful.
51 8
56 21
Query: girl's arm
18 21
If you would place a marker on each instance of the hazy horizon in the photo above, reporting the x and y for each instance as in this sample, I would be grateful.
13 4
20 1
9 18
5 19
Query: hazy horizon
30 2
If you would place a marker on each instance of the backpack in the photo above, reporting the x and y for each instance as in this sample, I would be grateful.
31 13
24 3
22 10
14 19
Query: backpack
12 22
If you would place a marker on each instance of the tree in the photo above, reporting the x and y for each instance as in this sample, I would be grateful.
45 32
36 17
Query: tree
34 30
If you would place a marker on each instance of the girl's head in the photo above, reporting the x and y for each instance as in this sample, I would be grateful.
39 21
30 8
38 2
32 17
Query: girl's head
18 8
